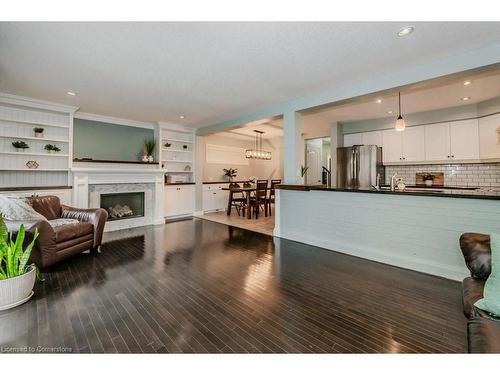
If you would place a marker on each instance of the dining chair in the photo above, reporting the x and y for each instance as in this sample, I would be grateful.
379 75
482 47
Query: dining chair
271 199
260 198
238 201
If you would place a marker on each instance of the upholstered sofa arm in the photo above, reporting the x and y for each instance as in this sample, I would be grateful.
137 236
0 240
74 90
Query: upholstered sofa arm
44 250
477 254
96 216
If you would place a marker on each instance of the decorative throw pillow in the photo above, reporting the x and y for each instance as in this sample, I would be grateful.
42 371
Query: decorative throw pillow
491 294
58 222
13 208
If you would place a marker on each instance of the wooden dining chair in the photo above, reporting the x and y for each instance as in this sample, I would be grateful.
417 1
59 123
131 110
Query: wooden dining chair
238 201
271 199
260 198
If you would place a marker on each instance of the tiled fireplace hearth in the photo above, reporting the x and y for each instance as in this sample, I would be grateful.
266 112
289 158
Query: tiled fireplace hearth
132 198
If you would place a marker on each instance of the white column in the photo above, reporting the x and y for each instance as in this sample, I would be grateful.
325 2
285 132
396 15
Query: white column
292 146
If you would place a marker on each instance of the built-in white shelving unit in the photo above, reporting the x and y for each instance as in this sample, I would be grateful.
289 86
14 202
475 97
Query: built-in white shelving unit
177 153
17 120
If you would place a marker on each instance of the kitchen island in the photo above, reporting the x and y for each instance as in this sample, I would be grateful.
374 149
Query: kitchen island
417 230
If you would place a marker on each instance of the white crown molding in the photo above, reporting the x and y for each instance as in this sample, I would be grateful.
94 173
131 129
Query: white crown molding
36 103
176 127
114 120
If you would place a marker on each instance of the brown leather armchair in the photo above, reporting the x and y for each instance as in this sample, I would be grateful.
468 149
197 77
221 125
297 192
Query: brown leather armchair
56 243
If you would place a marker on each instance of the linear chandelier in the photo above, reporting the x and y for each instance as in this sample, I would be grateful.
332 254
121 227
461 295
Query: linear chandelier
258 152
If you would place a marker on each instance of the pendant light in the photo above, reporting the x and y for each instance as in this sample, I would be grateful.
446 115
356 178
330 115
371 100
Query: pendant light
400 123
258 152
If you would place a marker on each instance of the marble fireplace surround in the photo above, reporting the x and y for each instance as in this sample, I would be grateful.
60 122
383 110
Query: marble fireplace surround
89 184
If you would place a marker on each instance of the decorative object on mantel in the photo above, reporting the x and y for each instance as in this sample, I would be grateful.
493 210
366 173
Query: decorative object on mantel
17 277
258 152
149 147
32 164
400 123
20 145
436 180
38 132
52 149
231 173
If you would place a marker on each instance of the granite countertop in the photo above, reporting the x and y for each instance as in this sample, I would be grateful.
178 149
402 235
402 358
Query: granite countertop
450 192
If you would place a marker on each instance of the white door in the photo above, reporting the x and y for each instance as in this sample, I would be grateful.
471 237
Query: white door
464 140
372 138
437 142
414 144
352 139
392 146
489 137
313 161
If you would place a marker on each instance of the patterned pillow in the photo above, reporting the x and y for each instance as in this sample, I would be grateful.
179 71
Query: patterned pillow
14 208
58 222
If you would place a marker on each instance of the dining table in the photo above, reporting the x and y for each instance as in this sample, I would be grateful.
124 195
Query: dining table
247 191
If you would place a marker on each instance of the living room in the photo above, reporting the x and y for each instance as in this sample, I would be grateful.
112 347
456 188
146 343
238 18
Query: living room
269 188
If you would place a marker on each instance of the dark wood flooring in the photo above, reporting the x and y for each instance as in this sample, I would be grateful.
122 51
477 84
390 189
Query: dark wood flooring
197 286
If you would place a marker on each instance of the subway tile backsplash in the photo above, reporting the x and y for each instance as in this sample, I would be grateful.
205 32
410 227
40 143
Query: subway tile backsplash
470 175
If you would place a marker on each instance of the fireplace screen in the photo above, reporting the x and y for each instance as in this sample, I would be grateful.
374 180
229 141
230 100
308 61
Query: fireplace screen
123 205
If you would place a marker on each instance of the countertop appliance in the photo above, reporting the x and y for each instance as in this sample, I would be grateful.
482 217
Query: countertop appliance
358 166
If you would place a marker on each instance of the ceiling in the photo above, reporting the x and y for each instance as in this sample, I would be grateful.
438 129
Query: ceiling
210 72
436 94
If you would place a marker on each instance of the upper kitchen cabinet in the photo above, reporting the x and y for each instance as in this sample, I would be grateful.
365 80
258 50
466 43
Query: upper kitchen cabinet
352 139
457 140
372 138
489 137
403 147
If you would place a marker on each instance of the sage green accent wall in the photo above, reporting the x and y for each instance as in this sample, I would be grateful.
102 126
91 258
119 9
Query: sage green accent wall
101 140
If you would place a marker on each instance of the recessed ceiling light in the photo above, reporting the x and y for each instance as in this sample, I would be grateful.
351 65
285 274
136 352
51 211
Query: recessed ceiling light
405 31
389 112
378 101
467 83
182 117
71 93
465 98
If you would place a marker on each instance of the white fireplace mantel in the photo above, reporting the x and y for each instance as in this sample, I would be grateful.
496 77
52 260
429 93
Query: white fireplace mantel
83 177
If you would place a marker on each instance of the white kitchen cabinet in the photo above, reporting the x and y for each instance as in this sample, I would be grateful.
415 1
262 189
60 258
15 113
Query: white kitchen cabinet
413 139
214 198
392 146
437 142
489 137
179 200
372 138
456 140
63 194
352 139
464 140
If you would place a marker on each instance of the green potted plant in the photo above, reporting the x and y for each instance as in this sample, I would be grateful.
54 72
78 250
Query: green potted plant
38 132
231 173
428 179
17 277
20 145
303 171
149 147
51 149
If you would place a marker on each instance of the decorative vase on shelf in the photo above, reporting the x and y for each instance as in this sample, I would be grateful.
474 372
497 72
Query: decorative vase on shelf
185 147
38 135
428 183
151 158
145 158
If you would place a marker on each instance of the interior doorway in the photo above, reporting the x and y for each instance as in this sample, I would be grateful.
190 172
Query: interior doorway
317 160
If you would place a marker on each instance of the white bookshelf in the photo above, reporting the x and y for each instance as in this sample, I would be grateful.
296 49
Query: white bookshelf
16 124
177 153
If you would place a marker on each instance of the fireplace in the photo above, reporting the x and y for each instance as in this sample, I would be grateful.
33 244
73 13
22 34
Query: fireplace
122 206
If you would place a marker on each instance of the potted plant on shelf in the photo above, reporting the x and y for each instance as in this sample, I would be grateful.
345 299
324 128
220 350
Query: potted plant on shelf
428 179
17 277
303 171
231 173
149 147
52 149
38 132
20 145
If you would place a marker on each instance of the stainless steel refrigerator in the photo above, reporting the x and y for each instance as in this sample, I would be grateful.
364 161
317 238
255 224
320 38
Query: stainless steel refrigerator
358 166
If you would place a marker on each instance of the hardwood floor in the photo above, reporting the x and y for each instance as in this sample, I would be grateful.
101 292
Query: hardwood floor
263 224
200 286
